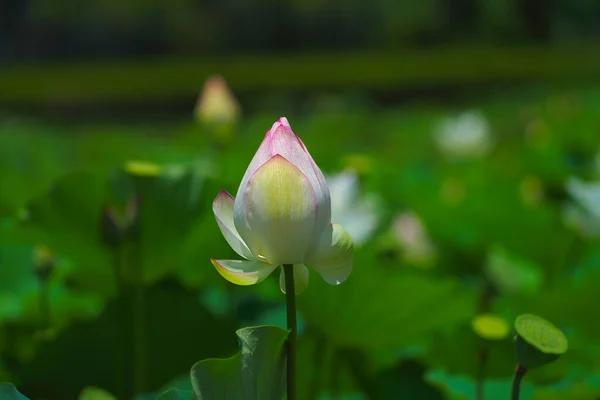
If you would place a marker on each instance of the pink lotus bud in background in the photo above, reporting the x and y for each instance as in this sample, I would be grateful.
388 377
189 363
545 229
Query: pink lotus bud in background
216 103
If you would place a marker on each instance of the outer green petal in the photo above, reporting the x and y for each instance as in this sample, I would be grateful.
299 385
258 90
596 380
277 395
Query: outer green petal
243 272
300 279
223 210
276 214
334 255
291 147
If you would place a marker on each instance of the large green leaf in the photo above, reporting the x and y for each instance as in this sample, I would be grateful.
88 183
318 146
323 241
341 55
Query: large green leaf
567 304
455 199
572 387
462 356
406 381
177 331
17 280
257 372
169 207
182 384
27 170
379 308
586 387
323 369
203 241
9 392
25 299
95 393
67 220
512 275
461 387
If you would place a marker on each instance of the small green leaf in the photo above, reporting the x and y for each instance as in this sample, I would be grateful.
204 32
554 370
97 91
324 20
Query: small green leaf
257 372
538 341
490 327
176 394
8 391
95 393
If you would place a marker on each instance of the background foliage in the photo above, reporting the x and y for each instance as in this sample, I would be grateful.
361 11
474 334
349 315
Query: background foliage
464 121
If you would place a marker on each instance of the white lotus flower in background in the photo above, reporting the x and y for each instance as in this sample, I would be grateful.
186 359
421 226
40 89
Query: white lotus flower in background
465 136
356 212
216 103
282 215
584 213
411 234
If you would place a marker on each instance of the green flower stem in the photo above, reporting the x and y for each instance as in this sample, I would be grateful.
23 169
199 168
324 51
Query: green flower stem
290 302
520 372
44 303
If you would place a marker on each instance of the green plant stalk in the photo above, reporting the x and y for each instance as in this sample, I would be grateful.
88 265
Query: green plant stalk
520 372
44 304
123 320
482 358
138 327
486 295
572 253
321 358
290 302
335 369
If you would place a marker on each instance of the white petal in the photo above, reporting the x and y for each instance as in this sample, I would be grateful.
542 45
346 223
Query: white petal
276 214
361 220
587 195
263 154
223 210
344 193
360 224
300 279
334 255
243 272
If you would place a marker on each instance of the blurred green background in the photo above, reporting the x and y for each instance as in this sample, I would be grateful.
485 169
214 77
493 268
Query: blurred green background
461 139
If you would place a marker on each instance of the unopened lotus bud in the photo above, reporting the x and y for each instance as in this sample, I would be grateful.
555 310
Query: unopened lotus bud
216 103
282 215
217 110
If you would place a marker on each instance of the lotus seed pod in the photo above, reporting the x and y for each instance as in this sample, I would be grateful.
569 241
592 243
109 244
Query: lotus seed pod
537 341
